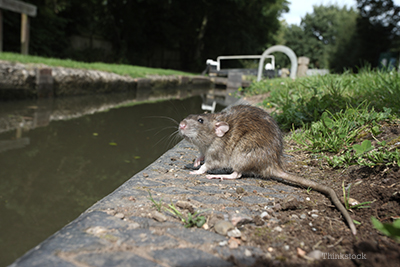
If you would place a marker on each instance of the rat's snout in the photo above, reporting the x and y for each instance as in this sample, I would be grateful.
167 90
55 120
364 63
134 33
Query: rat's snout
182 125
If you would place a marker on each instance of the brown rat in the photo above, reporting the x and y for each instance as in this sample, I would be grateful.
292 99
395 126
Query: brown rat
247 140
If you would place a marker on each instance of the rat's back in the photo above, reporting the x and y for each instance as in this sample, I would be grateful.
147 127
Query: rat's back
254 140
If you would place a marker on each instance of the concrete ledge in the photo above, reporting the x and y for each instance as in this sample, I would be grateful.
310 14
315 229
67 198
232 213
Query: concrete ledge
119 230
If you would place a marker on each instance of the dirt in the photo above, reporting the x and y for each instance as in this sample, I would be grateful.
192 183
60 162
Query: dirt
329 233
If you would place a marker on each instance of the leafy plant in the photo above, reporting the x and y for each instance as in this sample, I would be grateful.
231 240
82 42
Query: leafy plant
363 148
192 219
390 229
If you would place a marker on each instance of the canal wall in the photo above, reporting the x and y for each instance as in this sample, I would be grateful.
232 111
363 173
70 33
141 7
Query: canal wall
124 228
38 80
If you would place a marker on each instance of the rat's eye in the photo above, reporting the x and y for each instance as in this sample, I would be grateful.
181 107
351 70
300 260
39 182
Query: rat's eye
200 120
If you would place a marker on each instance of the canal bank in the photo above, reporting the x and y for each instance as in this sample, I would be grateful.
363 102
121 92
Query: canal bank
19 81
123 229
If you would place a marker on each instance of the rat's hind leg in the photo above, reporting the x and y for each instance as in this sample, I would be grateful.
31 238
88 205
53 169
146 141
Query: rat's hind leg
232 176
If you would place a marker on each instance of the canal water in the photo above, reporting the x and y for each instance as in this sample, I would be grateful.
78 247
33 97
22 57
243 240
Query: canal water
58 157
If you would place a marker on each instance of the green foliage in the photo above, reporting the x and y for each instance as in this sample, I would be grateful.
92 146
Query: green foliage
341 38
321 33
189 221
378 30
175 34
304 100
337 133
389 229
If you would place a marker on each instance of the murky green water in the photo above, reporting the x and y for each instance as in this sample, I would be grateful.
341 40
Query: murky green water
55 163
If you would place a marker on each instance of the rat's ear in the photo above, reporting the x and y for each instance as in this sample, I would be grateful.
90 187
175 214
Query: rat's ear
221 128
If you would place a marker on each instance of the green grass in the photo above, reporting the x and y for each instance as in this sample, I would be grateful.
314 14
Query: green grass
339 115
304 100
133 71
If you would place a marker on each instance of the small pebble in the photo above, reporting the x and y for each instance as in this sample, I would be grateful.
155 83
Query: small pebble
286 247
120 215
133 225
233 243
314 215
222 227
97 230
268 255
315 254
300 252
278 229
185 205
158 216
239 220
264 214
111 212
247 253
308 199
303 216
294 216
314 229
234 233
223 243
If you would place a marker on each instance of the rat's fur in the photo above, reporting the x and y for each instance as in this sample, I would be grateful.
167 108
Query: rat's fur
247 140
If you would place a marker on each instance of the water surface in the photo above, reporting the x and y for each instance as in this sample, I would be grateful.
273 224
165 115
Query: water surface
55 161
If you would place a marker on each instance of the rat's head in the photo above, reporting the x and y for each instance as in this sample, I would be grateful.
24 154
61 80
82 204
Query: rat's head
202 129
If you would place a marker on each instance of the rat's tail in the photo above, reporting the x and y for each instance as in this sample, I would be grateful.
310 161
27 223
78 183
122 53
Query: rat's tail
321 188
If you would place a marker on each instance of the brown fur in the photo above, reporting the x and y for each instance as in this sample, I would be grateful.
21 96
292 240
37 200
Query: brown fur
252 145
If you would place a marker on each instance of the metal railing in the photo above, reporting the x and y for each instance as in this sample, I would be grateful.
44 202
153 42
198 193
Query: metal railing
244 57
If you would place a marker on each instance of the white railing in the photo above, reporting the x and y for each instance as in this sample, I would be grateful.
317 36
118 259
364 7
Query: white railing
244 57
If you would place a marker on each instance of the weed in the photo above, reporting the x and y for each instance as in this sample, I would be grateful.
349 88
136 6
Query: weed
191 220
390 229
157 205
346 200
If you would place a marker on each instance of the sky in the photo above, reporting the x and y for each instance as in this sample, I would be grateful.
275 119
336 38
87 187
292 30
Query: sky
299 8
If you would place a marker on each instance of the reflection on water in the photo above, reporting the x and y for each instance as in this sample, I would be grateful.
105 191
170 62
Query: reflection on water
55 163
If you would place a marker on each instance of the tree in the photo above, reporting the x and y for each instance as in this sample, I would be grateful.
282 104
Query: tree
378 29
169 34
320 33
